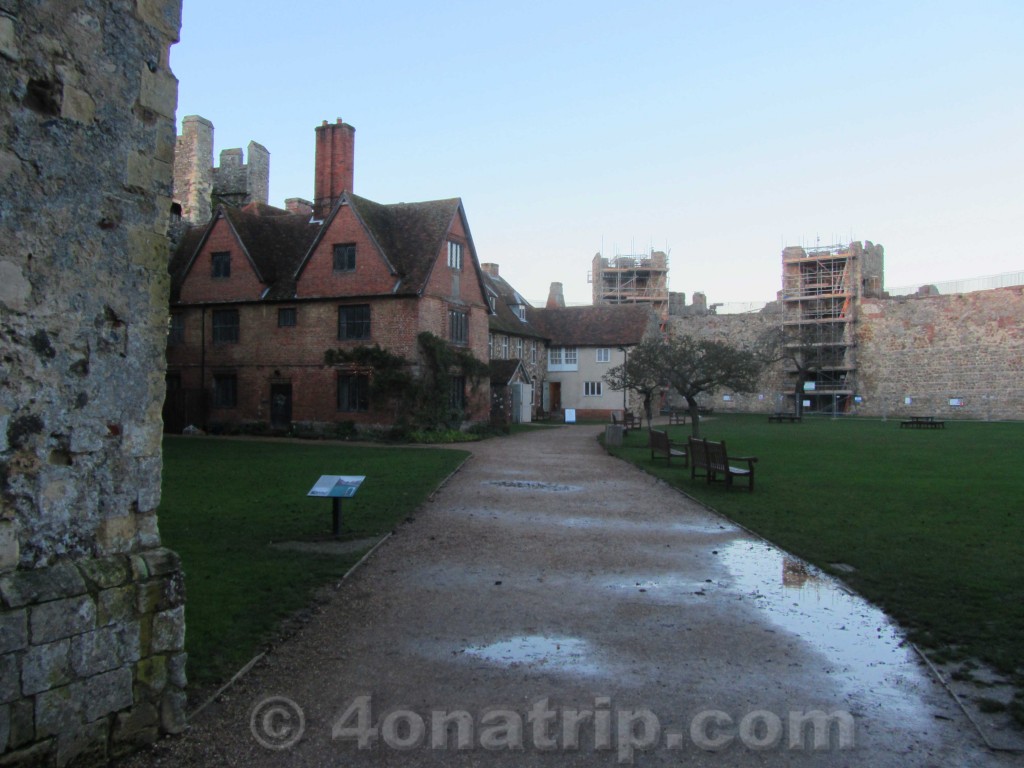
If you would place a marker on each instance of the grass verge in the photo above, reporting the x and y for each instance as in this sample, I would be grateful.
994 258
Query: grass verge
226 501
930 520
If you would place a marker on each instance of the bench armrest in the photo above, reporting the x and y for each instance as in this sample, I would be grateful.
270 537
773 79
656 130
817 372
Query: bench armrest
748 459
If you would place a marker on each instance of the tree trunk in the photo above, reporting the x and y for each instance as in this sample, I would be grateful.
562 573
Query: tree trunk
647 410
694 409
798 394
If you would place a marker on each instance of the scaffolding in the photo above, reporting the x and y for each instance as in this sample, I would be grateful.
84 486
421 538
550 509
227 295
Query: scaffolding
819 289
631 279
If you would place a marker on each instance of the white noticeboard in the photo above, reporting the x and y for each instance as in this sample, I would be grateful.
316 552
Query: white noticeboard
570 415
337 486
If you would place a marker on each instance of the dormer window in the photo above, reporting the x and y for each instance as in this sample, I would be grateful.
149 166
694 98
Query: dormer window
520 310
454 255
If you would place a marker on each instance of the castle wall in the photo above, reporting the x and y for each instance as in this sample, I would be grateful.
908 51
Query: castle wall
91 607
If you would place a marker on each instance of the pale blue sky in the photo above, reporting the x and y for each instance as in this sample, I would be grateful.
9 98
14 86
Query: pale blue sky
719 131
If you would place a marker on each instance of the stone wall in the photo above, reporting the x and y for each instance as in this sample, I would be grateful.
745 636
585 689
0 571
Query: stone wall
91 607
932 349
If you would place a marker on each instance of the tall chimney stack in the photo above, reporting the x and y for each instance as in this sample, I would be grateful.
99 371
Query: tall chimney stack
335 158
555 296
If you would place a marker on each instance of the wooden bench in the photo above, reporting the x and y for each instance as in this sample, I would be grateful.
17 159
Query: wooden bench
781 417
720 463
922 422
697 451
663 448
676 416
632 421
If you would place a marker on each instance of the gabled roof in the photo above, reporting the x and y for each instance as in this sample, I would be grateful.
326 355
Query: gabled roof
604 325
504 319
504 371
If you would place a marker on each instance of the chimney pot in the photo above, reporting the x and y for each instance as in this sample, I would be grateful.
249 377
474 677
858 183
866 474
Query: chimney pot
335 160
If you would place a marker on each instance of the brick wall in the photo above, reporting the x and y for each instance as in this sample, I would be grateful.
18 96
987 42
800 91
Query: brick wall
91 607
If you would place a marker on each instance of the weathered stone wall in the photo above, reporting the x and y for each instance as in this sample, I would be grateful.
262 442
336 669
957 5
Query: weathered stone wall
928 348
932 349
91 608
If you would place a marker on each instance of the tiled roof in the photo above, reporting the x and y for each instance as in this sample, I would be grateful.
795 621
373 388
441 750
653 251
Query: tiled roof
504 319
409 234
502 371
276 241
604 325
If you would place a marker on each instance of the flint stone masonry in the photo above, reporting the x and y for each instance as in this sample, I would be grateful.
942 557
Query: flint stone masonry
87 120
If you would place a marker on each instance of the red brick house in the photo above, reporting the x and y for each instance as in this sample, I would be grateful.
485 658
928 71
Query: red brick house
259 294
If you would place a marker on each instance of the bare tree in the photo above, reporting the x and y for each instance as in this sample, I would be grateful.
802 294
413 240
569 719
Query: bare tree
641 373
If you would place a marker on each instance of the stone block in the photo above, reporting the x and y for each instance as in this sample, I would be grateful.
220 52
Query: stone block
13 630
95 652
137 727
106 693
58 619
34 756
10 678
162 561
163 15
85 745
5 727
104 572
45 666
139 570
9 548
77 105
169 631
161 594
57 710
149 531
115 605
172 711
176 670
158 92
41 584
116 535
151 673
23 723
8 39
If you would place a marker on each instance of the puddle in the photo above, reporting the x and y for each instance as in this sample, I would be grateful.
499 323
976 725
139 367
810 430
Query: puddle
534 485
610 523
867 649
661 588
551 654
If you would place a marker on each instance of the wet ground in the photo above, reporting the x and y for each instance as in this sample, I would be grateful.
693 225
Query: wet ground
554 606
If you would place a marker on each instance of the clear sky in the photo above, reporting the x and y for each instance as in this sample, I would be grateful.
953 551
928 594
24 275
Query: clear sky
716 131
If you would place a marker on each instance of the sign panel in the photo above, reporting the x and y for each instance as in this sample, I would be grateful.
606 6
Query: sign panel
337 486
570 415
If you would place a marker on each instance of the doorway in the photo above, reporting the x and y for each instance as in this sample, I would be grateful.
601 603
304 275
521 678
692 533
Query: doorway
280 406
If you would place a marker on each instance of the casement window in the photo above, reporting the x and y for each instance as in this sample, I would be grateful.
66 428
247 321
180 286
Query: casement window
345 257
454 255
555 356
604 355
287 317
176 329
519 348
570 356
562 358
225 390
458 326
221 262
504 347
520 310
457 398
353 392
225 326
490 345
354 322
533 351
592 389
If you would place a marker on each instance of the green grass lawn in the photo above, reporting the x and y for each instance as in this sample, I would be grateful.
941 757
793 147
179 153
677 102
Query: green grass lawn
226 501
932 520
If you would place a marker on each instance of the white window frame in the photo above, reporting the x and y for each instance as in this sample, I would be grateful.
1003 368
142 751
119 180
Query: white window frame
604 355
454 254
592 389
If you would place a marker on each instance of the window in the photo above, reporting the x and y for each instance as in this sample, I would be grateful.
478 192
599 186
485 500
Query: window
225 390
457 399
176 329
454 255
490 345
533 351
555 356
286 317
570 355
458 326
345 257
354 322
604 355
562 358
225 326
592 388
221 264
353 392
519 348
520 310
504 347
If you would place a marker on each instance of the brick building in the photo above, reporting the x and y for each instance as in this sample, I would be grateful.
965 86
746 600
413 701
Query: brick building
260 294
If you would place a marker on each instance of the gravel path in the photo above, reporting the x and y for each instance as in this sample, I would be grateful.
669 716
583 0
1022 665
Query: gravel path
553 594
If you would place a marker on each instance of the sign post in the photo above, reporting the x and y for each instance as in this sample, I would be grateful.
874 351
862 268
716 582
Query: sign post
336 488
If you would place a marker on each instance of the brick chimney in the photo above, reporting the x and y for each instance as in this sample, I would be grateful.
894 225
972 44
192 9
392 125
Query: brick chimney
298 205
490 269
335 156
555 296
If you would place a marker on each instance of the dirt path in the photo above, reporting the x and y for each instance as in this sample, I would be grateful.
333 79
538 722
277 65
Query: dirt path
553 587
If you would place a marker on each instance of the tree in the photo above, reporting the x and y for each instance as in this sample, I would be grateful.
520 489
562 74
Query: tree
641 373
696 366
808 349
